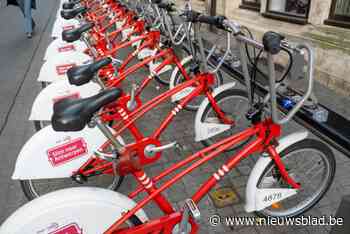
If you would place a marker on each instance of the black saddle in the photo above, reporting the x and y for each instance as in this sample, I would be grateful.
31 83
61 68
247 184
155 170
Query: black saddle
80 75
72 35
68 5
73 114
70 14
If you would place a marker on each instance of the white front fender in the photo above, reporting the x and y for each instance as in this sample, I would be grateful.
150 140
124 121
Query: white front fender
183 93
255 196
56 67
204 130
42 108
61 47
71 210
50 154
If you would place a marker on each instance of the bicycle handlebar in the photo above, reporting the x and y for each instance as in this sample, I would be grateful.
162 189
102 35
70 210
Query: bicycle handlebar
272 44
216 21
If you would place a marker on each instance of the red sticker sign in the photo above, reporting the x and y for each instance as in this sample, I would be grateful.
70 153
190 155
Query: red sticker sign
71 96
66 48
68 27
62 69
67 152
68 229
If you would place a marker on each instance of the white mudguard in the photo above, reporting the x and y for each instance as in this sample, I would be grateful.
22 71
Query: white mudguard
258 199
153 66
204 130
146 52
63 24
59 46
135 44
180 95
55 68
42 108
84 210
125 33
50 154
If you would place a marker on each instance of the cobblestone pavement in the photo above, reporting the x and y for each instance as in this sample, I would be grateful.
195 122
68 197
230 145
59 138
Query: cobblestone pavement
18 129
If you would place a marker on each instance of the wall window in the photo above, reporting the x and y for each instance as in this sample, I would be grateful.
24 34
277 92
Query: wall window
340 13
295 8
251 4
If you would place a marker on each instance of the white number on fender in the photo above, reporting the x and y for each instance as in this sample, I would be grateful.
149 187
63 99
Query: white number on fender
272 197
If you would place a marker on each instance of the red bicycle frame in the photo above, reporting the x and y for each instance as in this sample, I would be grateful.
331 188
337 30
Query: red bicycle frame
201 82
265 134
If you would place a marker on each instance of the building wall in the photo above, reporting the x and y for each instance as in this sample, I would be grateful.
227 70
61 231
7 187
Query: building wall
332 44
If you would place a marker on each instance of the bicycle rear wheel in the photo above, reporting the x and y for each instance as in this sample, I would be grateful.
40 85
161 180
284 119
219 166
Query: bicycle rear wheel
35 188
40 124
310 163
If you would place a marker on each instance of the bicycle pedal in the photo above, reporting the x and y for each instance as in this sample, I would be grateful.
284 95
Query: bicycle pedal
193 209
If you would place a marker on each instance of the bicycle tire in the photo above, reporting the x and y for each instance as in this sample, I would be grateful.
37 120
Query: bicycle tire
227 93
28 188
166 82
306 144
190 107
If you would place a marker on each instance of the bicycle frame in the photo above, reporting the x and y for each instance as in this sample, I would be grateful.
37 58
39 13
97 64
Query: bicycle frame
128 119
265 134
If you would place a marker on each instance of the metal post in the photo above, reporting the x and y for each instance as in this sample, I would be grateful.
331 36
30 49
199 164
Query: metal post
211 8
343 212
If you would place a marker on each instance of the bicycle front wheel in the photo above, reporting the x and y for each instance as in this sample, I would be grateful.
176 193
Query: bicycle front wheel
179 79
234 104
309 162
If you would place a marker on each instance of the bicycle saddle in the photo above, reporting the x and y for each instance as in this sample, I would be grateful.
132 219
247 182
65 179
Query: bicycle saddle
73 114
80 75
70 14
72 35
68 5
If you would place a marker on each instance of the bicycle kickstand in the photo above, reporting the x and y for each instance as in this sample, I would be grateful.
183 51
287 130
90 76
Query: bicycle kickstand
189 209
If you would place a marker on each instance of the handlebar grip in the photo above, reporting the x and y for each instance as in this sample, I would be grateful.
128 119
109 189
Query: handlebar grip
191 16
169 7
212 20
156 1
272 42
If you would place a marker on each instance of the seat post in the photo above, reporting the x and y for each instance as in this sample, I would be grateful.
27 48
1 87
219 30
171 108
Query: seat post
108 134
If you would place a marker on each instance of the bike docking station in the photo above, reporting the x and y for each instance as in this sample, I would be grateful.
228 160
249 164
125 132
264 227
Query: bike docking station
326 124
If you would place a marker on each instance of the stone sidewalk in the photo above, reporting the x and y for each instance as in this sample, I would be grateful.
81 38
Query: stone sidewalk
17 130
20 63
